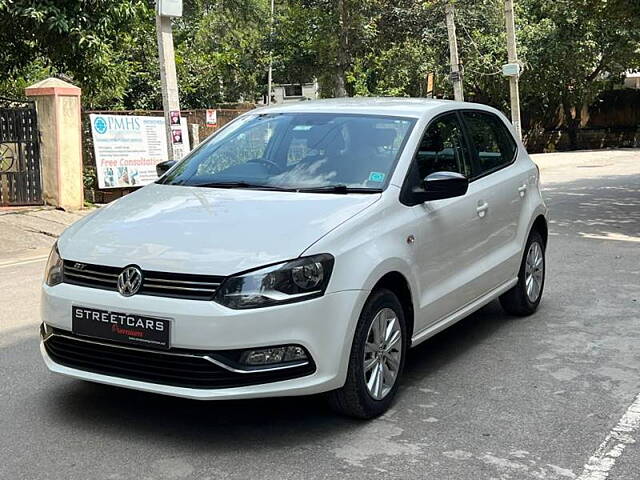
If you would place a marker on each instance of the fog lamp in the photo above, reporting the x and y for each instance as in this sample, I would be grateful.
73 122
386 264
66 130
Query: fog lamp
271 355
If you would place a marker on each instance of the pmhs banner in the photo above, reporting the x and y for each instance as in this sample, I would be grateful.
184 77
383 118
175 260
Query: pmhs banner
127 148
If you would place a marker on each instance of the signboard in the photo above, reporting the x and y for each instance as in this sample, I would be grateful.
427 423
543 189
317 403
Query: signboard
212 118
511 70
169 8
127 148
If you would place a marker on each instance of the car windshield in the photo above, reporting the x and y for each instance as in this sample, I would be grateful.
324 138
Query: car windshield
328 152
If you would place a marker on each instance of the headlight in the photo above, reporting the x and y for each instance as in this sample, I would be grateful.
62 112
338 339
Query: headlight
53 271
287 282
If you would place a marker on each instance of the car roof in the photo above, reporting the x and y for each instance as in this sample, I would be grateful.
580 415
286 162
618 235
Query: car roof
401 107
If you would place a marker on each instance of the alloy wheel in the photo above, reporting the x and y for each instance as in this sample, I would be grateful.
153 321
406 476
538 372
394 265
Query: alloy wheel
382 353
534 271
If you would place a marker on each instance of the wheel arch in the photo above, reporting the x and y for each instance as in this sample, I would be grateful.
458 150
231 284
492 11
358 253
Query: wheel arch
540 225
399 285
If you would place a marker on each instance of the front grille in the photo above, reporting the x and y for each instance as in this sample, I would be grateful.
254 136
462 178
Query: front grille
176 367
159 284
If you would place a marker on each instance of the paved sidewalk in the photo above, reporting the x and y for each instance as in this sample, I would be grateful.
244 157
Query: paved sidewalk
29 232
587 164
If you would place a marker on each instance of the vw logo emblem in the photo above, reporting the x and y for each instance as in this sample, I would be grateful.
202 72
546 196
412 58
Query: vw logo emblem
129 281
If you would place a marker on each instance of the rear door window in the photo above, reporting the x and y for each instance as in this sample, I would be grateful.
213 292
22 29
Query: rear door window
494 146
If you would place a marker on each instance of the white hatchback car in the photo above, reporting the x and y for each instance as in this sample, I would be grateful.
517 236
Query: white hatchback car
301 249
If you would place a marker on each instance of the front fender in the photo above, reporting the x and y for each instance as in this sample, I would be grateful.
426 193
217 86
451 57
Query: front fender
372 244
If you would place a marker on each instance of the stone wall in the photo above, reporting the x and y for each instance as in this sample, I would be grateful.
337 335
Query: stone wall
588 139
611 121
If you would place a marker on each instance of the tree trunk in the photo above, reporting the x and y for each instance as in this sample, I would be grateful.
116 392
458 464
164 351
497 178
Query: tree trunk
572 118
340 89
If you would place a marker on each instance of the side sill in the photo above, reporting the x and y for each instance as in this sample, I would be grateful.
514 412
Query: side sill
461 313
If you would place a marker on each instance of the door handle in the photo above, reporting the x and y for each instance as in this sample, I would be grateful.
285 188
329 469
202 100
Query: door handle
522 190
482 208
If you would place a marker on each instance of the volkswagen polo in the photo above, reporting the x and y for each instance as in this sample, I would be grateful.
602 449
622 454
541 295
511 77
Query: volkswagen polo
301 249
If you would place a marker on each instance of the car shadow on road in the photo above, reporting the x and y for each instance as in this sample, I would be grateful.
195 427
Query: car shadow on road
234 423
449 345
606 206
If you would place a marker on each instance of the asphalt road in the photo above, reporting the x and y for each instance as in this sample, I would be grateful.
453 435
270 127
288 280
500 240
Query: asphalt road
494 397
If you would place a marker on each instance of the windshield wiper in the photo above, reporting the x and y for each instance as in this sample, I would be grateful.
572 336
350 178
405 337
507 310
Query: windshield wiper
343 189
248 185
339 188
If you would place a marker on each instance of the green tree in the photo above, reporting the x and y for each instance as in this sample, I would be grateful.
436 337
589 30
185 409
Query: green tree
575 49
322 39
86 40
572 50
222 51
397 52
108 48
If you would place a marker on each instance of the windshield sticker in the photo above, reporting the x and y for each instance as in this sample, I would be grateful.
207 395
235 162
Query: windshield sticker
376 177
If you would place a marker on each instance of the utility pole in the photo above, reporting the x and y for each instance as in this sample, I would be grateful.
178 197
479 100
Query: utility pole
168 77
456 74
270 74
512 69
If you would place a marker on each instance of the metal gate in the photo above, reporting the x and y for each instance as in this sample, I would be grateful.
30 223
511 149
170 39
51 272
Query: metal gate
20 178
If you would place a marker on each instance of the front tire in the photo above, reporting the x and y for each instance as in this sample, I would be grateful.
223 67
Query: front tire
524 298
377 358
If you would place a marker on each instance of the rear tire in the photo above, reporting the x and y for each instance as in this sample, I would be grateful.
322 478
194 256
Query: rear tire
524 298
376 361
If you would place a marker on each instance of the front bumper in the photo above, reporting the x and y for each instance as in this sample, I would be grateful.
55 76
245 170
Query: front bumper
323 326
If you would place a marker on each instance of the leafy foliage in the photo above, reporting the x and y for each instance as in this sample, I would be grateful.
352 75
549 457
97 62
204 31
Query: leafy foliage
571 49
575 49
222 51
87 40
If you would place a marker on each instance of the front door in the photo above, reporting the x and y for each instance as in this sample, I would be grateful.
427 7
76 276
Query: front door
446 243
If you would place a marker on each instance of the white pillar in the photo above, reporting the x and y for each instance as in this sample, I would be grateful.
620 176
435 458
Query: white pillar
59 124
168 77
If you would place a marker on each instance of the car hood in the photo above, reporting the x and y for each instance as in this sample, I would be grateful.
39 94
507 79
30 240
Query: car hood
206 230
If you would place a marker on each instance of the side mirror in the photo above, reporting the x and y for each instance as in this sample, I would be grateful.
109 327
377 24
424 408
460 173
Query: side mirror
440 185
163 167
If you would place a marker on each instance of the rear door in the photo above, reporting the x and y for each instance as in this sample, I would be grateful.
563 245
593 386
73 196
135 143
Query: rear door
498 188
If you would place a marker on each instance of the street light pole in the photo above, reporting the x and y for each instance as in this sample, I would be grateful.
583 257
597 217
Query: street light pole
514 74
168 77
270 75
456 75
